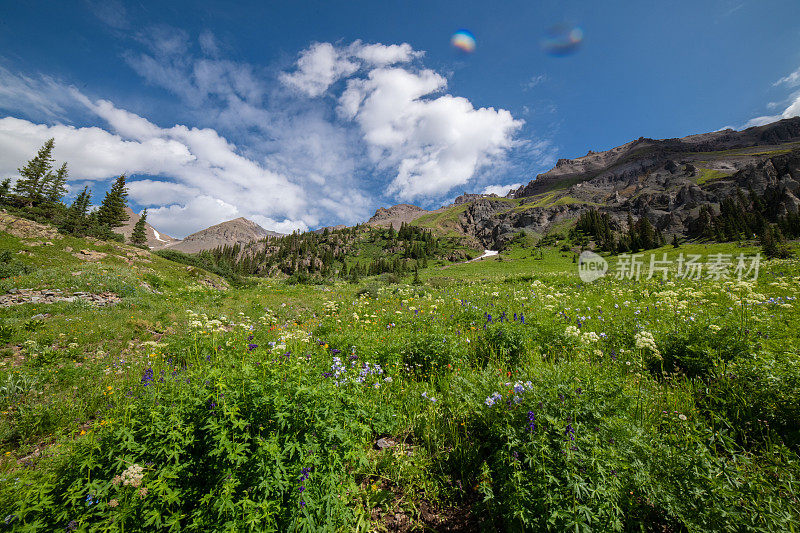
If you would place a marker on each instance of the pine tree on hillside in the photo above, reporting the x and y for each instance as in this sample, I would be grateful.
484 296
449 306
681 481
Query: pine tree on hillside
56 187
35 174
139 234
5 187
647 235
112 211
77 220
633 237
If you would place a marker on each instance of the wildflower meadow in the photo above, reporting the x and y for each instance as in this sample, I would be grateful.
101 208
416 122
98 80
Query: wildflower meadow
499 394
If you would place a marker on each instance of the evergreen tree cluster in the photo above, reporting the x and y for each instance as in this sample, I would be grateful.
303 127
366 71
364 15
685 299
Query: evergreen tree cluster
741 216
39 192
641 234
348 253
744 216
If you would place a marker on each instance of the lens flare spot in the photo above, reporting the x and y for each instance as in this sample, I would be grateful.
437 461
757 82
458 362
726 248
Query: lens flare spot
464 41
562 40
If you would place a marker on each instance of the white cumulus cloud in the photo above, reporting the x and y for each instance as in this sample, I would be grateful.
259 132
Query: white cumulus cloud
433 143
318 68
501 190
201 162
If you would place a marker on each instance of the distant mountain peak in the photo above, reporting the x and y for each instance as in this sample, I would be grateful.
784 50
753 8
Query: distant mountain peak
155 238
237 231
396 215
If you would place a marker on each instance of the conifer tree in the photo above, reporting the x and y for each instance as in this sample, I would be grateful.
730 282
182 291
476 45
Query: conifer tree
647 237
633 238
769 242
56 187
139 234
5 187
112 211
77 221
35 174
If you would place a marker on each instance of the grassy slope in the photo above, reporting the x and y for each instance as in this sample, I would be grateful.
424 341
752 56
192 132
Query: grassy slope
74 388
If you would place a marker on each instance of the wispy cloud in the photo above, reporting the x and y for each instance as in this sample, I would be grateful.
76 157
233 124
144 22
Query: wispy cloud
792 103
110 12
534 82
792 79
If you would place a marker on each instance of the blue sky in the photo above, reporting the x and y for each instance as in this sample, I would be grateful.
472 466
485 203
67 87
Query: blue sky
303 114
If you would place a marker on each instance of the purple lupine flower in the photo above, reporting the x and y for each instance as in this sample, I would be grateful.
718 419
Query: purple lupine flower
570 432
147 377
251 347
532 421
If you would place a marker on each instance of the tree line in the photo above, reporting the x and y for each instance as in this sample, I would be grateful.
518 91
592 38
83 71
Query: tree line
344 253
640 235
39 192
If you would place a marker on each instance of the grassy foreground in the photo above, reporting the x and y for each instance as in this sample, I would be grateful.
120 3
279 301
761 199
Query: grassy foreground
509 396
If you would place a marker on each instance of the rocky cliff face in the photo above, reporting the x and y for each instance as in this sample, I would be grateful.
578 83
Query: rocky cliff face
155 239
238 231
644 154
396 215
665 180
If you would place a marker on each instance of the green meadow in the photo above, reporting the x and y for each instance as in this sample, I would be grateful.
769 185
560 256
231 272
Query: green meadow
501 394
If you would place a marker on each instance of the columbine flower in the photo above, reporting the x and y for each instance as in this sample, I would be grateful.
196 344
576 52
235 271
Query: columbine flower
431 398
493 399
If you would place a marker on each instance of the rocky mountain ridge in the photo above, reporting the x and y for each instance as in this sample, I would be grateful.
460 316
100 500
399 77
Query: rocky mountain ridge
239 231
668 181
